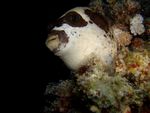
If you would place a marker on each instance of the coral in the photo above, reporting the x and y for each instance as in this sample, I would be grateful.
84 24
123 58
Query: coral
138 64
136 25
121 67
123 38
137 44
96 5
120 11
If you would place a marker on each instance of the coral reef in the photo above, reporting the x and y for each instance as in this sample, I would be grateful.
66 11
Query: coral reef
108 92
120 11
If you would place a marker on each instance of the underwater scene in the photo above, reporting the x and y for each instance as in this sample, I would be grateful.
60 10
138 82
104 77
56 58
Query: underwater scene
106 47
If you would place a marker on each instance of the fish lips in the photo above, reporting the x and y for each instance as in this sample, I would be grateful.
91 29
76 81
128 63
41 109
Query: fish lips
56 39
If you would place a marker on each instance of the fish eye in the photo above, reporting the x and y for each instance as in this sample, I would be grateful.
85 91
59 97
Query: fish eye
75 18
72 17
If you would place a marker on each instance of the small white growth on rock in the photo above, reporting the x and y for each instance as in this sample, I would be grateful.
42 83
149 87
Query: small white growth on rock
136 25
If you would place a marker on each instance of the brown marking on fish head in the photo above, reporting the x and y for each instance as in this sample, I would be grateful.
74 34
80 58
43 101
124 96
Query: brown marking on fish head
98 19
73 19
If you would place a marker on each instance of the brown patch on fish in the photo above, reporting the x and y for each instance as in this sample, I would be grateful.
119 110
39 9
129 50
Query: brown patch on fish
73 19
61 34
98 19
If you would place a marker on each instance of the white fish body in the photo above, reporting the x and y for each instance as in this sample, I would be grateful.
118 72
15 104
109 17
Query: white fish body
84 43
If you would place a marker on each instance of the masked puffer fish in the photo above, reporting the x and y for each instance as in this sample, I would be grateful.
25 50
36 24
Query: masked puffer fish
80 34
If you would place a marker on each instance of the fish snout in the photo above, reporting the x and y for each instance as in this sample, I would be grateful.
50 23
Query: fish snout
56 39
53 42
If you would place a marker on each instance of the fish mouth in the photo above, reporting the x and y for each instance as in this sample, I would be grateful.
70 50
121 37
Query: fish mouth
53 42
56 39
